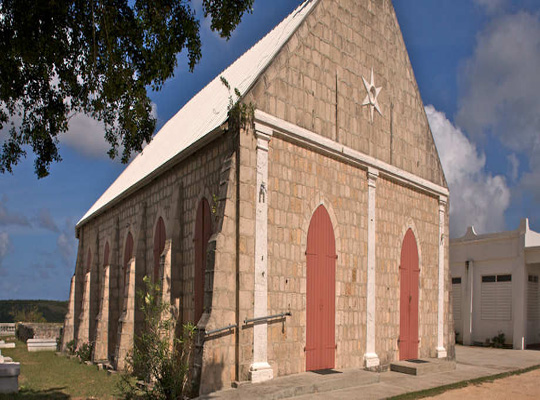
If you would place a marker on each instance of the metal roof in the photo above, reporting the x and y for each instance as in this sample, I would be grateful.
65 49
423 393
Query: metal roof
202 115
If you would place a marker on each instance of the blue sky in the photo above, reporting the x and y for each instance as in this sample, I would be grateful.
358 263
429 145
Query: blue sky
476 63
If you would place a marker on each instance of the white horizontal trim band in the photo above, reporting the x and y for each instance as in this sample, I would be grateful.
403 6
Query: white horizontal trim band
324 145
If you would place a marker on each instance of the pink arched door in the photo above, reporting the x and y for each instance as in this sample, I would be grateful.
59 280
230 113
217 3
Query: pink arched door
321 292
159 246
408 304
203 231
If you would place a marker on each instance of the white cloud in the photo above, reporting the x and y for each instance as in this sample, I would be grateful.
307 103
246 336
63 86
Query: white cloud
45 220
8 217
66 244
86 136
5 248
476 197
492 6
501 83
513 167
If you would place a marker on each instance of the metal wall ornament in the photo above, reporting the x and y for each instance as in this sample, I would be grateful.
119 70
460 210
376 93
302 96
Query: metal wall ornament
372 94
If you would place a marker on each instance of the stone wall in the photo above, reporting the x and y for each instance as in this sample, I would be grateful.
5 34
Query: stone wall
398 209
174 197
316 82
299 181
30 330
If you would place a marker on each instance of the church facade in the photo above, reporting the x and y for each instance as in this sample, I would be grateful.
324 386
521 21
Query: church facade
314 238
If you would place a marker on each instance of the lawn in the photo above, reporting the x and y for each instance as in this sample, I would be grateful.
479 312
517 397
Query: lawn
44 375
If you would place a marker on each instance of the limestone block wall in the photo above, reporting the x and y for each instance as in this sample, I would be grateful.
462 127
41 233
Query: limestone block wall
174 196
68 332
31 330
219 358
299 181
315 82
398 209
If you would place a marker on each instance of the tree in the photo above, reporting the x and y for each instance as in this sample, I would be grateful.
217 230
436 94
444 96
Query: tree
98 57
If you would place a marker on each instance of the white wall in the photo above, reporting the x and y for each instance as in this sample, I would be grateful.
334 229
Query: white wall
533 321
495 254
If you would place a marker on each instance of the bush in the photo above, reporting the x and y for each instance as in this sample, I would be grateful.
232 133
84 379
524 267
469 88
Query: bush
84 352
70 347
160 360
498 341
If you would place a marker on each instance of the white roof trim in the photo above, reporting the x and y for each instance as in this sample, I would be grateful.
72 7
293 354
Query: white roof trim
202 115
325 145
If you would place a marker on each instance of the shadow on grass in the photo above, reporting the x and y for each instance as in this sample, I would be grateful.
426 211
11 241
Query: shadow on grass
52 393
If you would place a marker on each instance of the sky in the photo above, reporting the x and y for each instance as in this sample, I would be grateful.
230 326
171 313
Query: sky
477 65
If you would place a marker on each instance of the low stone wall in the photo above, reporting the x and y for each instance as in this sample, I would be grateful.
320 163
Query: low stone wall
27 331
7 329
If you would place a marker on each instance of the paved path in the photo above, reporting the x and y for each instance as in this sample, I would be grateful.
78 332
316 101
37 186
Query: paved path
472 362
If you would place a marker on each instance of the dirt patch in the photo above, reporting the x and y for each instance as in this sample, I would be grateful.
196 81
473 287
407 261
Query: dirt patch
524 386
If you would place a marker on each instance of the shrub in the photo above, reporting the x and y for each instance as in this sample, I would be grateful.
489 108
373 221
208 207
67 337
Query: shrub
70 347
498 341
84 352
159 359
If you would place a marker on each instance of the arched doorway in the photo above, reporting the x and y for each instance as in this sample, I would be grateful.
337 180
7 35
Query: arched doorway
203 231
321 292
159 246
408 305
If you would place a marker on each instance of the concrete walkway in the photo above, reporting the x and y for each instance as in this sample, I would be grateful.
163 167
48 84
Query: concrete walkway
472 362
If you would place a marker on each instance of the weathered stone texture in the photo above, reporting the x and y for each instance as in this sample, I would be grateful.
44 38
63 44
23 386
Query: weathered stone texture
299 181
314 82
101 348
337 45
398 209
174 197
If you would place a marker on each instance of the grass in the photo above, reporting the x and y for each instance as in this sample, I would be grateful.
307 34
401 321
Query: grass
458 385
44 375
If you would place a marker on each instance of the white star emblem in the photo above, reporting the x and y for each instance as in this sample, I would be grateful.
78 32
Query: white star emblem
372 94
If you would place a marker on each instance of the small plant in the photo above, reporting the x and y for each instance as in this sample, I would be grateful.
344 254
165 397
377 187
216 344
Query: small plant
160 360
215 202
71 348
84 352
241 115
498 341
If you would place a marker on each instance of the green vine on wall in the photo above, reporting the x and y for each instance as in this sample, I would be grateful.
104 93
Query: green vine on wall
241 115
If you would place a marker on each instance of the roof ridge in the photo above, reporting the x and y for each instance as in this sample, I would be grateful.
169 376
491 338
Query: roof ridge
209 104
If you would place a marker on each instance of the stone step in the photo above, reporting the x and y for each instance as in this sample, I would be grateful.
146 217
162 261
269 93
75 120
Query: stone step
298 385
9 377
41 344
423 366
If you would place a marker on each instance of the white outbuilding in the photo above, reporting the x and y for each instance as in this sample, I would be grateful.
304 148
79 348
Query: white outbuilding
495 286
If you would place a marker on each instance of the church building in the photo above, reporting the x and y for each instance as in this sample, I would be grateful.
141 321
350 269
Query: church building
315 237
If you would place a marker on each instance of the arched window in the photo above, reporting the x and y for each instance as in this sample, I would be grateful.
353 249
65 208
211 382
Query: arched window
203 231
159 246
128 254
106 255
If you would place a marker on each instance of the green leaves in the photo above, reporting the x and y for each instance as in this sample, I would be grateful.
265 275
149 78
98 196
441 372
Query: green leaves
96 57
159 358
